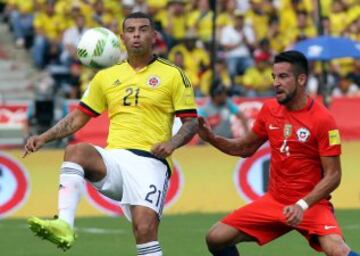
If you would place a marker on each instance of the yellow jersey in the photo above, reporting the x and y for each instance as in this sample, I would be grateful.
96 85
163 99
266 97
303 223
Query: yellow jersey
141 104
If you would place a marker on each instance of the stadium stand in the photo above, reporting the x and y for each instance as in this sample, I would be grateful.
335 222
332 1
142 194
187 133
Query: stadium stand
38 56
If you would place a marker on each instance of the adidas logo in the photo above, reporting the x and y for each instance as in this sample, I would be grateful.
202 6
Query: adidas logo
117 82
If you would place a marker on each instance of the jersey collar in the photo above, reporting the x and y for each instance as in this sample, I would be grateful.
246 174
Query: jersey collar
153 59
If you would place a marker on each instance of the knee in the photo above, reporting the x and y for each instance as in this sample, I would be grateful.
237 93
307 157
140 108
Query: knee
213 240
75 153
145 231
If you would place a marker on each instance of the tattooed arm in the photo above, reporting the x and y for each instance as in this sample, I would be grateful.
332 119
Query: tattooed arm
188 129
65 127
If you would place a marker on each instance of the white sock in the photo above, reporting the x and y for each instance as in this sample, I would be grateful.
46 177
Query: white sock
149 249
70 191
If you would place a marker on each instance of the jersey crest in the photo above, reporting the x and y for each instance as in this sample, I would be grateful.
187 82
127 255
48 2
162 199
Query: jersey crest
303 134
287 131
153 81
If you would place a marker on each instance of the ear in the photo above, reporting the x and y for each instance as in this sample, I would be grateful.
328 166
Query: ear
301 79
154 37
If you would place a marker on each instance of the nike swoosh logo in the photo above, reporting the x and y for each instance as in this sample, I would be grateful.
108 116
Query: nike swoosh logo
329 227
272 127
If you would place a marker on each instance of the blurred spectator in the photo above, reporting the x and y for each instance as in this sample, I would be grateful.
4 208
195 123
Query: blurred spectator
353 29
160 47
221 76
180 62
140 6
236 41
354 75
264 48
159 14
196 59
257 80
200 21
305 27
346 88
48 27
70 40
278 40
288 13
337 17
127 8
326 25
312 86
226 13
72 88
21 21
219 111
174 22
100 17
41 112
258 18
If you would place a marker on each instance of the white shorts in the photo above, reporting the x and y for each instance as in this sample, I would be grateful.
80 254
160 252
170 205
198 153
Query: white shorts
134 179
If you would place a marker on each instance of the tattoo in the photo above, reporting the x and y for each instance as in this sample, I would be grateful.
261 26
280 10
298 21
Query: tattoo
185 134
62 129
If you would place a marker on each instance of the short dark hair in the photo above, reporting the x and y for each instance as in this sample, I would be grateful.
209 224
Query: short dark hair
296 58
216 89
139 15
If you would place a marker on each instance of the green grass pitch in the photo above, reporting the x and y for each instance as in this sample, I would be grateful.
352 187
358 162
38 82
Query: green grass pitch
180 235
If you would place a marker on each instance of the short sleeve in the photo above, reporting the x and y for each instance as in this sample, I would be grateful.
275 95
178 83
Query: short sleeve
202 112
93 101
259 127
183 96
328 137
232 107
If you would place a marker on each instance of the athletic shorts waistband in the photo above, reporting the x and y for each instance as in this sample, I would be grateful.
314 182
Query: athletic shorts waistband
144 153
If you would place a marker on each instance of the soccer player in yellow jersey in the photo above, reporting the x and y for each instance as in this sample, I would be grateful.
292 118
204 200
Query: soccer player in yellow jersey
142 96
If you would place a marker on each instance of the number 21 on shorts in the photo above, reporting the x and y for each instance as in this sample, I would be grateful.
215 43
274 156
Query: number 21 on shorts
153 196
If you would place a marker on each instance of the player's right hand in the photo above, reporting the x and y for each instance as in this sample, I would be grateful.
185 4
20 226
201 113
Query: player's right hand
294 214
205 131
33 144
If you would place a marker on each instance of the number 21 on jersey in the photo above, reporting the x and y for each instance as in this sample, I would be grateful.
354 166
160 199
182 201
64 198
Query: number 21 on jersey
131 97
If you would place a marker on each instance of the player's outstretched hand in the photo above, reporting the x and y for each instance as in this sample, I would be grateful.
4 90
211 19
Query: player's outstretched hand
205 131
33 144
162 150
294 214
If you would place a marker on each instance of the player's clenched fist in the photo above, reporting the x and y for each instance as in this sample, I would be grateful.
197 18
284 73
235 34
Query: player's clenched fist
294 214
162 150
33 144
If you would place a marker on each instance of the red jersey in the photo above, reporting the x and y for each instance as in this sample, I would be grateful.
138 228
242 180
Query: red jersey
297 140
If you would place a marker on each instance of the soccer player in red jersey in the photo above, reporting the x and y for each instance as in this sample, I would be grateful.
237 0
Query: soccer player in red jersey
305 168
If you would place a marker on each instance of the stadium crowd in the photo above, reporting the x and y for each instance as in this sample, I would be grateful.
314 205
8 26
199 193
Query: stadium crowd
248 34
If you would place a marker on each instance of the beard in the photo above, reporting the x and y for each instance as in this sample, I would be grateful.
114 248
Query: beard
288 97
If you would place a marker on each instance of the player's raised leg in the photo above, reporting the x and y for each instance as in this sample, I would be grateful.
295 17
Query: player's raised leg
222 238
145 223
80 161
334 245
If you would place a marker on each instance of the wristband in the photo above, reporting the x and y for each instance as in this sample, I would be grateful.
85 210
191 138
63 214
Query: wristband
303 204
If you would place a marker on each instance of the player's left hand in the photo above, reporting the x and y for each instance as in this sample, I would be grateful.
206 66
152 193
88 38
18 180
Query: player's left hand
162 150
294 214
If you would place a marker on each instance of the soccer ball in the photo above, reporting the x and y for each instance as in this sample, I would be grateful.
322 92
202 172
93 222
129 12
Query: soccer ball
99 48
